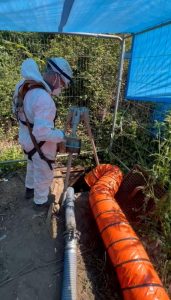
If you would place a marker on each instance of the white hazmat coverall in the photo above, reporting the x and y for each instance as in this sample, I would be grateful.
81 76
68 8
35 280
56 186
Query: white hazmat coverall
40 110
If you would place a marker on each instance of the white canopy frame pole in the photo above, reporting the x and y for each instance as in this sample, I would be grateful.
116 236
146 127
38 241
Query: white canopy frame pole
97 35
121 64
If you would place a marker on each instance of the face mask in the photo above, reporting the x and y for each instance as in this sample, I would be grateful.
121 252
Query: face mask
56 92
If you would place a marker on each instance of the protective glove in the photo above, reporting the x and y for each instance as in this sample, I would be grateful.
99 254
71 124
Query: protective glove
61 147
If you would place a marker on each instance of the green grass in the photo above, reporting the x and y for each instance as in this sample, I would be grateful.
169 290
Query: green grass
10 151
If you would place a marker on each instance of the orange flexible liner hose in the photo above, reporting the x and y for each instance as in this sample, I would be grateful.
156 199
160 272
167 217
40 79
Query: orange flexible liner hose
137 277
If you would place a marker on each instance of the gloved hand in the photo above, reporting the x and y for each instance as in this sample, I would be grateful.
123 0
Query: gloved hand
61 147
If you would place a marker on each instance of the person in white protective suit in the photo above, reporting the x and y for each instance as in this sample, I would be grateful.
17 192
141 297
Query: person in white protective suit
40 111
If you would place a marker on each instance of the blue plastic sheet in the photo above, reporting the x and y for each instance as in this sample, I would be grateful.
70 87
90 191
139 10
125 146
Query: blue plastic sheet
96 16
31 15
149 76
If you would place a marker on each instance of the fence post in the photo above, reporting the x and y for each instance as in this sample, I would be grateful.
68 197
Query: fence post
121 63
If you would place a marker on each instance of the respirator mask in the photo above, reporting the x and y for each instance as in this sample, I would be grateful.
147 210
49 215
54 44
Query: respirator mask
56 91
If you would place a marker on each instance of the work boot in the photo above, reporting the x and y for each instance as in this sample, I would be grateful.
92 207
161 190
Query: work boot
45 205
29 193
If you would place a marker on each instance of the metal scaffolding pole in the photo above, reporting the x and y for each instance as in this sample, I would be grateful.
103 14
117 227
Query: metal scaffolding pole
121 63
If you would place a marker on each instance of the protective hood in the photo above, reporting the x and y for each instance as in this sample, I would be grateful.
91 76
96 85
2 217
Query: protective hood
30 70
62 67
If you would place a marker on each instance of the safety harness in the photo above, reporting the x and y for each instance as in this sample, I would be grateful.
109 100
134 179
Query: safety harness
23 89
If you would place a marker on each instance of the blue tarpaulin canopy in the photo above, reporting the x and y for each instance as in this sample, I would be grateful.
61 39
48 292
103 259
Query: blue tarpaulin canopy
95 16
149 77
150 71
150 67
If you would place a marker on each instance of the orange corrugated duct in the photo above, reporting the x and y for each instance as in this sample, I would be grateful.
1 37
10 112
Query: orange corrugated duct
137 277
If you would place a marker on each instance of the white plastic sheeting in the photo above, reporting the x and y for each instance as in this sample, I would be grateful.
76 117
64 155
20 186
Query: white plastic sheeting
149 76
96 16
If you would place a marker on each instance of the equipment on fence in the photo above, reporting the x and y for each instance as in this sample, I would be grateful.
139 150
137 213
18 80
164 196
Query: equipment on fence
73 143
71 146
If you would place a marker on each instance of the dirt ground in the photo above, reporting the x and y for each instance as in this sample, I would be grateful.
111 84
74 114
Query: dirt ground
31 262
